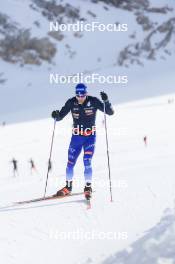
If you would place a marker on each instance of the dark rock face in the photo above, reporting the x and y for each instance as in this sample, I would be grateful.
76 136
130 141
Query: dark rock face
148 48
21 47
127 4
144 21
17 45
6 25
135 5
52 10
56 35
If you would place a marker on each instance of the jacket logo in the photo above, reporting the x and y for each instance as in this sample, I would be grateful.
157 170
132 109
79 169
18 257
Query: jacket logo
89 112
76 116
89 104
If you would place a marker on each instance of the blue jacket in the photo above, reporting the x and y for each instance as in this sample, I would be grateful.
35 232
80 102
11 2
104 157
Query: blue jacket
85 114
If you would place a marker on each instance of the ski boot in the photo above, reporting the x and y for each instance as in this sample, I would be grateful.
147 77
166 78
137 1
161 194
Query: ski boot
65 190
88 191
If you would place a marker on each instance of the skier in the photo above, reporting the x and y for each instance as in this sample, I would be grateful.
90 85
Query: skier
3 123
145 140
83 109
15 167
32 165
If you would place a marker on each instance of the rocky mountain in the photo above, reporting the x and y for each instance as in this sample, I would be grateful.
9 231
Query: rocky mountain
18 46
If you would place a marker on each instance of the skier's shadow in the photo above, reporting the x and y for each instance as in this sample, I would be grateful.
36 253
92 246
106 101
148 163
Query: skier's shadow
19 208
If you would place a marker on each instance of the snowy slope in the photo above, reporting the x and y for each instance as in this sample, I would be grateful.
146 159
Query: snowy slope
143 187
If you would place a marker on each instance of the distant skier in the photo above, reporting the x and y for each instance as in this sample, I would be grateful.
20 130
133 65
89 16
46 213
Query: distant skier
32 166
83 109
170 100
145 140
15 167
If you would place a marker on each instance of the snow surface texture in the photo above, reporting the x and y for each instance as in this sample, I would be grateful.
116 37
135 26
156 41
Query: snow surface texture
155 247
143 188
148 46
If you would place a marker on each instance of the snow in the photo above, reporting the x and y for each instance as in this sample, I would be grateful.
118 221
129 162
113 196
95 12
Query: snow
143 186
142 177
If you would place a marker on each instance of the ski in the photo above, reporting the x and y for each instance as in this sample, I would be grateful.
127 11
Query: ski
40 199
52 197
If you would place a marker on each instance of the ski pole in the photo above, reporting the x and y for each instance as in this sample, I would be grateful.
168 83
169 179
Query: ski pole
107 151
50 156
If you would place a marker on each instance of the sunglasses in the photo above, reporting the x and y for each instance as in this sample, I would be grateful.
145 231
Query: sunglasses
80 96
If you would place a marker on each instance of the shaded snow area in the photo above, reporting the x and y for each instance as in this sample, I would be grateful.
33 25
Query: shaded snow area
157 246
64 230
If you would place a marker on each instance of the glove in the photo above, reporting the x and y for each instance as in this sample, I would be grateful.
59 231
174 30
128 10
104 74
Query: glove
104 96
56 114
